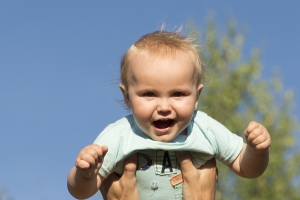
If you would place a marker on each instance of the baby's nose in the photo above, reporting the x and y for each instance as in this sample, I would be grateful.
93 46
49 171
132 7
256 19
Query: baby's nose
164 106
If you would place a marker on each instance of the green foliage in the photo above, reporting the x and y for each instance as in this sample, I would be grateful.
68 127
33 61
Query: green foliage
4 194
235 93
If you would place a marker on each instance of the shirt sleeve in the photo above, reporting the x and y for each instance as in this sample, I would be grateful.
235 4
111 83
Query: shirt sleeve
227 144
108 137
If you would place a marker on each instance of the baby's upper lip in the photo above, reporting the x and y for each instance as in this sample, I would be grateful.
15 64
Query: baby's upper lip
162 119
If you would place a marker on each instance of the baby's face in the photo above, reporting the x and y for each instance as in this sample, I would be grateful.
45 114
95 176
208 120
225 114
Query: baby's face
162 94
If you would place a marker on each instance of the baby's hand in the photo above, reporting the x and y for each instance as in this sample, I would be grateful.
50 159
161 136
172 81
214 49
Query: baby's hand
90 159
257 137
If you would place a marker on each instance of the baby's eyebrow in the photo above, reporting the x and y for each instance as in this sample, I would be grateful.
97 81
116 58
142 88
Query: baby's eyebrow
147 90
179 89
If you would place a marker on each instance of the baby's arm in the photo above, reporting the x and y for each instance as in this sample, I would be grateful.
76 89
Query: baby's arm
83 179
254 156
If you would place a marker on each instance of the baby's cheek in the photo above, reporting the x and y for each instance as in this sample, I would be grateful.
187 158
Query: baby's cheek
142 124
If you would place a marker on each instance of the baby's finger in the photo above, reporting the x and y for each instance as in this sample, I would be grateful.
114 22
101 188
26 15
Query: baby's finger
101 154
104 150
98 153
254 134
251 126
94 153
86 157
260 138
96 150
264 145
82 164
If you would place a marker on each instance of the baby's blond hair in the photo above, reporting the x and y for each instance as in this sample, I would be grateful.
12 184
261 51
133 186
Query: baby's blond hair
163 43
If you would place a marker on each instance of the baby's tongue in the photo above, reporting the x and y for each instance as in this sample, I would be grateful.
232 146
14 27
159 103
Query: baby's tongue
162 123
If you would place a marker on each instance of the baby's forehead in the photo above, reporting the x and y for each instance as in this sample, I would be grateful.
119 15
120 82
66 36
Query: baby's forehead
150 56
146 58
144 65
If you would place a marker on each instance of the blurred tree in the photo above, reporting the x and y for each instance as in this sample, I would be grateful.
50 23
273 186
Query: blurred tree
235 93
4 194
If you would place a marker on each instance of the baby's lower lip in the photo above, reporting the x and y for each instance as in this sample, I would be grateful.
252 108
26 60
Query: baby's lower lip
162 130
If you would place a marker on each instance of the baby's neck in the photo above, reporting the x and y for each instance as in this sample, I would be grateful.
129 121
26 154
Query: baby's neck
184 132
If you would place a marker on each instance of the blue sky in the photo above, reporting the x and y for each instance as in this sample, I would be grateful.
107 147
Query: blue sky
59 62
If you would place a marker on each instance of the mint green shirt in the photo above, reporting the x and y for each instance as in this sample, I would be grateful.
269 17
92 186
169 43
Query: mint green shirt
206 139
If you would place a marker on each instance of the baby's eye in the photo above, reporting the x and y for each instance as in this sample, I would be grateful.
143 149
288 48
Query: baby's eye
149 94
178 94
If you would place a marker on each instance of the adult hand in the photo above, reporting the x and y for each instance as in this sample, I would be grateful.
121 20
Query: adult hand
124 188
198 184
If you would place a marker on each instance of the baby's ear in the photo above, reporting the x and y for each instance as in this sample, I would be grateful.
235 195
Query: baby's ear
125 95
199 89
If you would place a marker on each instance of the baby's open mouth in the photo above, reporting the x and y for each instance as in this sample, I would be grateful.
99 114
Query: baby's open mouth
162 124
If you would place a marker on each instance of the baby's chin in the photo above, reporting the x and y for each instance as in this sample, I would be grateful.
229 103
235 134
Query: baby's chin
164 138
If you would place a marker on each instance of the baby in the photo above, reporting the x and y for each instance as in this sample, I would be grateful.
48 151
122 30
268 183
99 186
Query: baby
161 81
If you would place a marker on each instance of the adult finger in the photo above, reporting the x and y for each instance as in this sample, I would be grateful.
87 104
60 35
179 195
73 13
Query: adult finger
184 160
209 164
211 167
109 187
130 167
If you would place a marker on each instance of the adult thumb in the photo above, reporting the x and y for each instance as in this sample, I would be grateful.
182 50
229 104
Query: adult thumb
130 166
184 160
